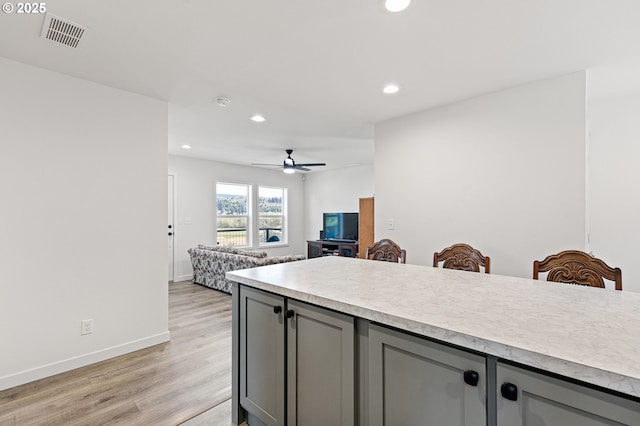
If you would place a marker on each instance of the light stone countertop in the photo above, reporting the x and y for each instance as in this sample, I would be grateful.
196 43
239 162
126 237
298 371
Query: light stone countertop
589 334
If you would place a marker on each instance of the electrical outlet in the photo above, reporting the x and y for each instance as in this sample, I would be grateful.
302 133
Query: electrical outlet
86 327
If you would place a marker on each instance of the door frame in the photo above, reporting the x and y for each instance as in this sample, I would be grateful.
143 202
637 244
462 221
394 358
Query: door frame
173 227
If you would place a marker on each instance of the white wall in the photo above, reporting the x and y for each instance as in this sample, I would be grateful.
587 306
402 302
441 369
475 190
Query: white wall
614 176
83 220
504 172
335 191
195 184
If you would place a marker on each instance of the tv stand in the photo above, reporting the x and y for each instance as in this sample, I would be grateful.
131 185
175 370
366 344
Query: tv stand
318 248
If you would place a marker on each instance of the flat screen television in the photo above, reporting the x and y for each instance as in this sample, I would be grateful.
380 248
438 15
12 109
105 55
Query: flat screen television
340 226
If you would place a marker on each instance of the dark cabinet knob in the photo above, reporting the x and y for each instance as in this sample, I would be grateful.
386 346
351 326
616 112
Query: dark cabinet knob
509 391
290 313
169 226
471 377
277 309
170 233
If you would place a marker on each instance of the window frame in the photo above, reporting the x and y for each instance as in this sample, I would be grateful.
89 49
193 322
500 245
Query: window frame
248 215
284 231
253 215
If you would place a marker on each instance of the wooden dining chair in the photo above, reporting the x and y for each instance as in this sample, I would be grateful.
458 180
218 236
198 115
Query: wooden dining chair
577 267
386 250
462 257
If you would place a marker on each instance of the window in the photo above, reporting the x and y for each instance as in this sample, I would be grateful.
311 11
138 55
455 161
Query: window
249 215
271 208
233 206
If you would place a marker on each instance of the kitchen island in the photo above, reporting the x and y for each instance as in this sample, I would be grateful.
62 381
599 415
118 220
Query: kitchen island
586 337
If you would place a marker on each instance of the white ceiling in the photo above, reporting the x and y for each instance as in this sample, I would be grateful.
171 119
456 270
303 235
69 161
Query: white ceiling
315 68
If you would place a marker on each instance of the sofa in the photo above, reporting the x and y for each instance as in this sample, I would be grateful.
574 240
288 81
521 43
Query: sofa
210 264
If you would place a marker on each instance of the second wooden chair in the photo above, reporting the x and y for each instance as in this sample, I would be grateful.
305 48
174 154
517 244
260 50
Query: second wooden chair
462 257
386 250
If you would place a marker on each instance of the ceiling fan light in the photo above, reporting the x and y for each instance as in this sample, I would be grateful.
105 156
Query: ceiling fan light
396 5
289 170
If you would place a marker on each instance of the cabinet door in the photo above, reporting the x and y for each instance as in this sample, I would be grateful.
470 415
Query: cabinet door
262 355
314 249
321 367
413 381
347 250
530 398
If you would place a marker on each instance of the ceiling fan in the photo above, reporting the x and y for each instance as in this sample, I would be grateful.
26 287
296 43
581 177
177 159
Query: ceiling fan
290 166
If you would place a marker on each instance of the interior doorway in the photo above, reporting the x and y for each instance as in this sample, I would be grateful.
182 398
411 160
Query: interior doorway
171 230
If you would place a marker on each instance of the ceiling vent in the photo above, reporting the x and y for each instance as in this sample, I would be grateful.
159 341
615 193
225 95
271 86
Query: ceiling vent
62 31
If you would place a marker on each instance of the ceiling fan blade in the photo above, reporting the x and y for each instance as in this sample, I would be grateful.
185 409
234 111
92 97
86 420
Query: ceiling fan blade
290 164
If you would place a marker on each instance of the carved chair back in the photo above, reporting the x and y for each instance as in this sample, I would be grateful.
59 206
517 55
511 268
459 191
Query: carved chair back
462 257
386 250
577 267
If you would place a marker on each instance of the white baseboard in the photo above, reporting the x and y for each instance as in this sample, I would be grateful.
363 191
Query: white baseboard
179 278
38 373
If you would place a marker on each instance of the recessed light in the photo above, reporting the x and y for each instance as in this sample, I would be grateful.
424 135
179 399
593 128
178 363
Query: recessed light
258 118
185 146
390 89
396 5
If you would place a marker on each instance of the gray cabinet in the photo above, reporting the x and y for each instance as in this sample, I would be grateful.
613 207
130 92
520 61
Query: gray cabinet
297 367
315 346
528 398
262 355
413 381
321 367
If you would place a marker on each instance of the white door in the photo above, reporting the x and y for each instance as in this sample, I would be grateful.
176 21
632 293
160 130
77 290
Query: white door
171 228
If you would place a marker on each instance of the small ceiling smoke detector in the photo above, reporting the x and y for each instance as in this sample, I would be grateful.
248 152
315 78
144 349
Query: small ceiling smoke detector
223 101
62 31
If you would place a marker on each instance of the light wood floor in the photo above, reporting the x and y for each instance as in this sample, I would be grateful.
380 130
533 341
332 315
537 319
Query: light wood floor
187 379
